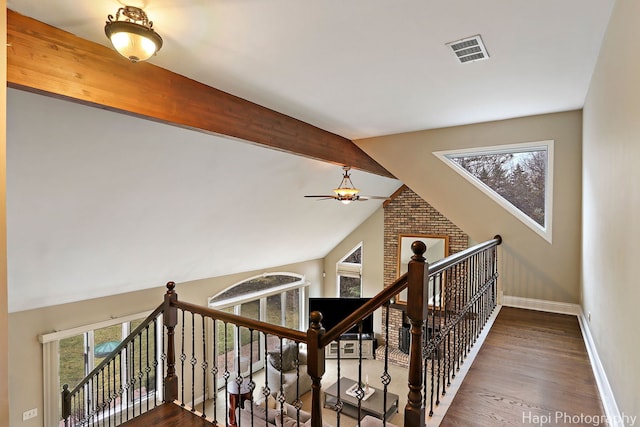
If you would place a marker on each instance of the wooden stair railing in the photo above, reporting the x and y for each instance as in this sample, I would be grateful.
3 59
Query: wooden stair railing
447 306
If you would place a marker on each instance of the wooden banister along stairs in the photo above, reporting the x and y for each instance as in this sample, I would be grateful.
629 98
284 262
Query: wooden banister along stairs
126 385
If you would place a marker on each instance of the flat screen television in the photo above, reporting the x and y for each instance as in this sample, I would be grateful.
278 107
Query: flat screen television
336 309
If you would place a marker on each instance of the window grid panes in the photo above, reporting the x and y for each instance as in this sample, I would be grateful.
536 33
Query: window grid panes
273 306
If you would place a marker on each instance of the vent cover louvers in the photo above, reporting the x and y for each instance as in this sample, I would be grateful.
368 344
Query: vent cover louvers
470 49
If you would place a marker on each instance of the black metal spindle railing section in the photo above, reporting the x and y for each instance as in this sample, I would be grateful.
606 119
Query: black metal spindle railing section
242 366
125 384
462 296
223 358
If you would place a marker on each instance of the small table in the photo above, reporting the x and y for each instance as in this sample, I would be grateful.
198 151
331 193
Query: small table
237 397
372 406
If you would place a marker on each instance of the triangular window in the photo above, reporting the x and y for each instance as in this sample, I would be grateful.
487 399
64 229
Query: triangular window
349 272
517 176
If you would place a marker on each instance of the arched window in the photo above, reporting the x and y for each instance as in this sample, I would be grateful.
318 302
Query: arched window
276 298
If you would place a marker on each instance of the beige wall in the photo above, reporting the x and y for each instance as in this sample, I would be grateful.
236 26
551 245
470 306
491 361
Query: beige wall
4 347
530 267
25 358
611 206
371 234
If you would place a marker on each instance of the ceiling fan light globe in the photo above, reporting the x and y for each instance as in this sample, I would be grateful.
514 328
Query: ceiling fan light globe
133 46
346 192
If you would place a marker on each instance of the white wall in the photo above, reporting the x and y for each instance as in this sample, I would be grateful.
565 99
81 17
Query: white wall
611 206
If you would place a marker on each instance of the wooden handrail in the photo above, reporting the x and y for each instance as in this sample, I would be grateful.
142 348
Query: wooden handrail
458 257
258 325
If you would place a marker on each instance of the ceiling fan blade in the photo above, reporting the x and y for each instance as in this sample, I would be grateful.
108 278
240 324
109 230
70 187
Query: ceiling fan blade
325 196
373 197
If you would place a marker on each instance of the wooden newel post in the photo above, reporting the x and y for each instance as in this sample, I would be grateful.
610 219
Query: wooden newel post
417 309
170 317
66 404
315 365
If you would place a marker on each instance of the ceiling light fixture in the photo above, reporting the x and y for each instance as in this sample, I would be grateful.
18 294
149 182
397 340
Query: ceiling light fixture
132 34
346 191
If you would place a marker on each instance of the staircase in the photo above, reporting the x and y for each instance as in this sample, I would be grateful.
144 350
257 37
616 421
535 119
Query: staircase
175 376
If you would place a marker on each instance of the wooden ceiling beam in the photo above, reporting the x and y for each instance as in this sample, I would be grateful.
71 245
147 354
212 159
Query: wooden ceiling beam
49 61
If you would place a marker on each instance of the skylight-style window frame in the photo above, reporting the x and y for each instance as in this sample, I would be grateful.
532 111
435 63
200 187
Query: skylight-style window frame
547 145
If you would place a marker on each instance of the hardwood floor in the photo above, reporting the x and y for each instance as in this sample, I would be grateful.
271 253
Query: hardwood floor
533 369
168 415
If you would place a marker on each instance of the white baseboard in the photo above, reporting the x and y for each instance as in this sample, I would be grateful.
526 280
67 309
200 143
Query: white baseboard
541 305
611 411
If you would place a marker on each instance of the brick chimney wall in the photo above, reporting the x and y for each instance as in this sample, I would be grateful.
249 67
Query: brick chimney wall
407 213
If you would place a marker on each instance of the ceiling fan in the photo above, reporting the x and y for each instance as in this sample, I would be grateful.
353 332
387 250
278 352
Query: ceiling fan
346 191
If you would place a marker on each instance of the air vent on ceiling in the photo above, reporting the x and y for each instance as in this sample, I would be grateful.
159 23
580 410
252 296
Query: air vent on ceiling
470 49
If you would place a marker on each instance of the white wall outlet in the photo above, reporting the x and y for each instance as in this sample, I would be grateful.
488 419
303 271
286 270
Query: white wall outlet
31 413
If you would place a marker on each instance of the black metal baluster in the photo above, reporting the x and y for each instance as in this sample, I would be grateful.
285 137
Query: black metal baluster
359 390
426 373
103 401
155 362
226 373
193 362
280 396
132 378
266 392
239 378
252 385
148 367
214 371
121 389
205 365
339 404
297 403
183 357
124 381
385 377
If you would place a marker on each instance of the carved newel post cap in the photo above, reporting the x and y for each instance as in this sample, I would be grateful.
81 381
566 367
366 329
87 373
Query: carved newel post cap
418 247
315 317
171 286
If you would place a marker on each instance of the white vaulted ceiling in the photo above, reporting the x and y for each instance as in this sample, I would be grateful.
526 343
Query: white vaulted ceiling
100 203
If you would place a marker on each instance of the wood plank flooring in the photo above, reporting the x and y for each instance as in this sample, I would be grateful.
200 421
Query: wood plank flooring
533 369
168 415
